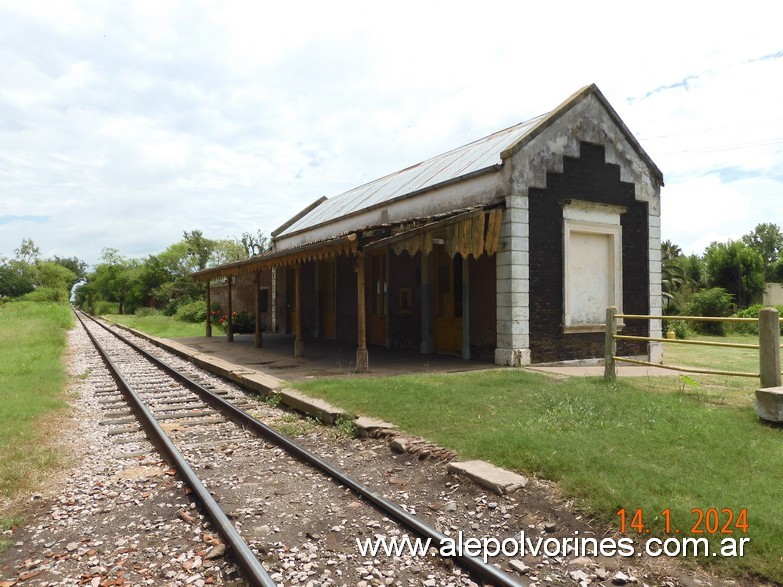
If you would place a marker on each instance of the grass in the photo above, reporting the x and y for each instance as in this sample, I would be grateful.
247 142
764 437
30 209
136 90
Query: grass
719 389
653 443
163 326
32 380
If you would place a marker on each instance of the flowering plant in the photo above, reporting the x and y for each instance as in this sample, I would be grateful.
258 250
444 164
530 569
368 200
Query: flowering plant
241 322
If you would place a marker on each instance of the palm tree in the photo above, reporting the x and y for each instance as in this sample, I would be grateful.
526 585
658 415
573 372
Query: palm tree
669 250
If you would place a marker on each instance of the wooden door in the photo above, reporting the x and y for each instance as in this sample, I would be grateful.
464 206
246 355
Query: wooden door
377 291
447 290
328 299
290 301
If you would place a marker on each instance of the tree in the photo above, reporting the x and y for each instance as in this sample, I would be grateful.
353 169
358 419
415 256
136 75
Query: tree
776 271
737 268
767 240
254 244
227 251
54 276
669 250
27 252
75 265
199 247
116 280
673 279
13 281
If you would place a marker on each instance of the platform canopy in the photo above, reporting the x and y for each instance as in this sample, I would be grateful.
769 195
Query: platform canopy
466 232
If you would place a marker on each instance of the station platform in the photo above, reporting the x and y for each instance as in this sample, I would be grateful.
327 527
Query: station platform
329 359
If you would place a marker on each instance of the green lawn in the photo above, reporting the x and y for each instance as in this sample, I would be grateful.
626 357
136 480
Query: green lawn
32 380
163 326
719 389
652 443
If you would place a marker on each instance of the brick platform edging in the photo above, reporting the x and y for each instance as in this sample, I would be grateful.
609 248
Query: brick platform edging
487 475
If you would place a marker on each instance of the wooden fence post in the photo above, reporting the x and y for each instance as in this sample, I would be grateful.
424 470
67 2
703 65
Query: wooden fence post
610 345
769 347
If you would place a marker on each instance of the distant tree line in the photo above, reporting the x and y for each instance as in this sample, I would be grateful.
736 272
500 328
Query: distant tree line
26 275
122 284
728 278
163 281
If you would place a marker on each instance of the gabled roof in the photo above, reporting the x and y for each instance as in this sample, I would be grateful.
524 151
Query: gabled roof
472 159
469 159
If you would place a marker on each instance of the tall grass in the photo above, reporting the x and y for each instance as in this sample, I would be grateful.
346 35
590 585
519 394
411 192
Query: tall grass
32 379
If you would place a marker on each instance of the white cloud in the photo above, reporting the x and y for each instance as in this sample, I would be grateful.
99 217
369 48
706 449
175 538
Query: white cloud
126 124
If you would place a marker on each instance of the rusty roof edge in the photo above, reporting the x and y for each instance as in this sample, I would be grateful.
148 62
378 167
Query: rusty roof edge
451 218
385 203
569 103
298 216
233 268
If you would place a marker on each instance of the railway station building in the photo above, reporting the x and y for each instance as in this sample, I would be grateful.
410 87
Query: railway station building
507 249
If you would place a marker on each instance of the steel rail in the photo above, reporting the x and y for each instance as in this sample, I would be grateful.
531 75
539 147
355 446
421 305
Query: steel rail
253 572
485 571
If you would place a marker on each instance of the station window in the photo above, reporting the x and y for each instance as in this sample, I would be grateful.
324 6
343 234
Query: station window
592 264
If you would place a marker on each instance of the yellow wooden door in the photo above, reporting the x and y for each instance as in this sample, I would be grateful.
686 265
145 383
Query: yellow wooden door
447 289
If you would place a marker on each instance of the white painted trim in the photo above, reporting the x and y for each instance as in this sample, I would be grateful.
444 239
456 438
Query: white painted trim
593 212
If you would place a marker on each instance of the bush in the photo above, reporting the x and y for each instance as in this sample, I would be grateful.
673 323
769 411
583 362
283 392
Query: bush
46 294
174 304
144 312
195 312
102 307
242 322
751 312
680 327
715 302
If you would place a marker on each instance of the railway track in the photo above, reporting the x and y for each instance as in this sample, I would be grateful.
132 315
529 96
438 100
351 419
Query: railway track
238 468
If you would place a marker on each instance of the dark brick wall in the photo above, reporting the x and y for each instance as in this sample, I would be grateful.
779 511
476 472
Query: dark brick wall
405 325
346 300
590 178
243 295
309 301
483 317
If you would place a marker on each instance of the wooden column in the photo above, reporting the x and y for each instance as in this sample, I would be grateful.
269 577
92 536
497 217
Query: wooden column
257 340
298 341
465 308
427 310
362 356
209 312
317 306
229 324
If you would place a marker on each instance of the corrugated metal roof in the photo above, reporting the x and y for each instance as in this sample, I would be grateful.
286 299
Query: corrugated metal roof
470 158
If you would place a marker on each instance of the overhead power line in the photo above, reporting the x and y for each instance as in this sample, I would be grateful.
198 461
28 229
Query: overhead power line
734 147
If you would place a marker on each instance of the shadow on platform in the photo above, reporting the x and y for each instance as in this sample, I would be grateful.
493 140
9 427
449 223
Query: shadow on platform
323 359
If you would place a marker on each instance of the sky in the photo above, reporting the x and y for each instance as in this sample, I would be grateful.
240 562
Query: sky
123 124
